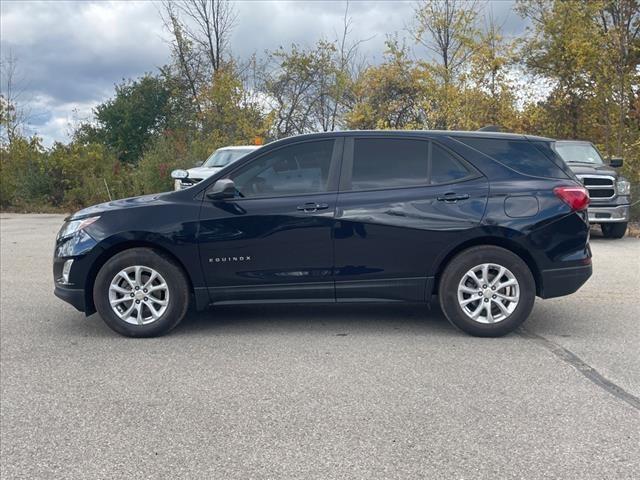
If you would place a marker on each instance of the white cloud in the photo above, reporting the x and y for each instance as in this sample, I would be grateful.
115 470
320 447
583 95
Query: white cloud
53 120
72 53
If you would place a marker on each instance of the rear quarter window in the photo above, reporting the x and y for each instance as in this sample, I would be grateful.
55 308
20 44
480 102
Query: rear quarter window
445 167
522 156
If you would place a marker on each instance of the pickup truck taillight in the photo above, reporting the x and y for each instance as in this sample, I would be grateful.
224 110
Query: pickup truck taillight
576 197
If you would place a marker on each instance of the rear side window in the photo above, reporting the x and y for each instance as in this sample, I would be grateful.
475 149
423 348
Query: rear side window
546 148
389 163
445 167
521 155
396 163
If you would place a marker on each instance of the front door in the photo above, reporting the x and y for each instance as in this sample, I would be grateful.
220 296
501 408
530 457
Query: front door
402 201
273 240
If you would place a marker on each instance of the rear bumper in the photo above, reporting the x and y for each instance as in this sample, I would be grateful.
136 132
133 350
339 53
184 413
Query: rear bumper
71 295
617 213
564 281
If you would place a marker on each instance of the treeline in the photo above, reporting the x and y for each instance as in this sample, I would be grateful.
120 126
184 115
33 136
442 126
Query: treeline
574 74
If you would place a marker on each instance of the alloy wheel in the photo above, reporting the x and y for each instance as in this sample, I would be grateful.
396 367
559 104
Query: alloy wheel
488 293
138 295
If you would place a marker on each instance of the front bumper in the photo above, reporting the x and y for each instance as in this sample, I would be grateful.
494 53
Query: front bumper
73 296
618 213
558 282
80 248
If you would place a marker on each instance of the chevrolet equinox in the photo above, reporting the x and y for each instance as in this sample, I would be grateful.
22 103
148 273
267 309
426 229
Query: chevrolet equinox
483 222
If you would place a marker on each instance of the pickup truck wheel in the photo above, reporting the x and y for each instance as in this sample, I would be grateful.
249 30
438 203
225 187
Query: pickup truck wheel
140 293
487 291
614 230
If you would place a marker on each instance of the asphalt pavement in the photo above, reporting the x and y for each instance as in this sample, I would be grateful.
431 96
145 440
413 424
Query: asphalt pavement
317 392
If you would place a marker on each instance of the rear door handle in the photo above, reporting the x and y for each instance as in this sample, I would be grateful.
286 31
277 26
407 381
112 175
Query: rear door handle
453 197
312 207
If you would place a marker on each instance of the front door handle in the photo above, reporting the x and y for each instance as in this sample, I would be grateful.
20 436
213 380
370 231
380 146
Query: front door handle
312 207
453 197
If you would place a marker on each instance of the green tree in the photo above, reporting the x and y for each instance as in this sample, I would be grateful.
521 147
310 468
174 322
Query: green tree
563 49
139 111
589 54
619 78
446 29
394 94
312 89
490 97
231 113
297 84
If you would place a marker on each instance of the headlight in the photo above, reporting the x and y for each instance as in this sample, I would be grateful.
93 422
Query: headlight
74 226
623 186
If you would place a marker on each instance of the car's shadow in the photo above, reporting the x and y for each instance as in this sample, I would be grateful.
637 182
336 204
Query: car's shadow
330 318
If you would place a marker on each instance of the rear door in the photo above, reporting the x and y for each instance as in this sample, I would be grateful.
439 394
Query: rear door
402 201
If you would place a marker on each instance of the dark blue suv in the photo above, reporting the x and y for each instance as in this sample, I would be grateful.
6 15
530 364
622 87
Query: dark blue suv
483 221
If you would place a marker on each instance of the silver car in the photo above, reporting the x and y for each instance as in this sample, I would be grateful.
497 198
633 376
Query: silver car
216 162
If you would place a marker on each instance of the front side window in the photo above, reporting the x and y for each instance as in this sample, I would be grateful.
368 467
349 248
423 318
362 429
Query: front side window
302 168
389 163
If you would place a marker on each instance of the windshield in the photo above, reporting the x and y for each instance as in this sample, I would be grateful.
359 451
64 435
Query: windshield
223 157
579 153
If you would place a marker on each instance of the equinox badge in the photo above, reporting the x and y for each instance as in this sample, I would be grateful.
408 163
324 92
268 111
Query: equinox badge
244 258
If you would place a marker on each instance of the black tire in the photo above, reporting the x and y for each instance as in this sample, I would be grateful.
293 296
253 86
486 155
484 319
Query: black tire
455 272
175 278
614 230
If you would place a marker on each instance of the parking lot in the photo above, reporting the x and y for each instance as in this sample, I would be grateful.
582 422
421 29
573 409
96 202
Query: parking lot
318 391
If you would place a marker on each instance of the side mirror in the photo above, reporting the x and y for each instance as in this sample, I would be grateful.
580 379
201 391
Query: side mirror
616 162
223 188
197 164
179 174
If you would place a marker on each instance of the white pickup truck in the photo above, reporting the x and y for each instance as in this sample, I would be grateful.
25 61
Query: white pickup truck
216 162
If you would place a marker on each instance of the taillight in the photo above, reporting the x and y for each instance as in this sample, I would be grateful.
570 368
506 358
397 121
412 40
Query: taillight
576 197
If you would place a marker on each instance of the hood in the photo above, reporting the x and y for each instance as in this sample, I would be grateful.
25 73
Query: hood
200 173
120 205
584 169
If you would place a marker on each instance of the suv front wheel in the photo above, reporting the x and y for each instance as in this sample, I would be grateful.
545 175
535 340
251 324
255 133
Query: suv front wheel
141 293
487 291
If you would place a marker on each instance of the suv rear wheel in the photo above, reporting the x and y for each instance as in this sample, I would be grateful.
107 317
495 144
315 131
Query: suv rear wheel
141 293
487 291
614 230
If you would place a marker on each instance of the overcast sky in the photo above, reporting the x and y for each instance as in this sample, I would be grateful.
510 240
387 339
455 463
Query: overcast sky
70 54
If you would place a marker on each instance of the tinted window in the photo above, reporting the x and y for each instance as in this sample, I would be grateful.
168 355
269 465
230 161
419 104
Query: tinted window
550 153
445 167
298 169
521 155
388 163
